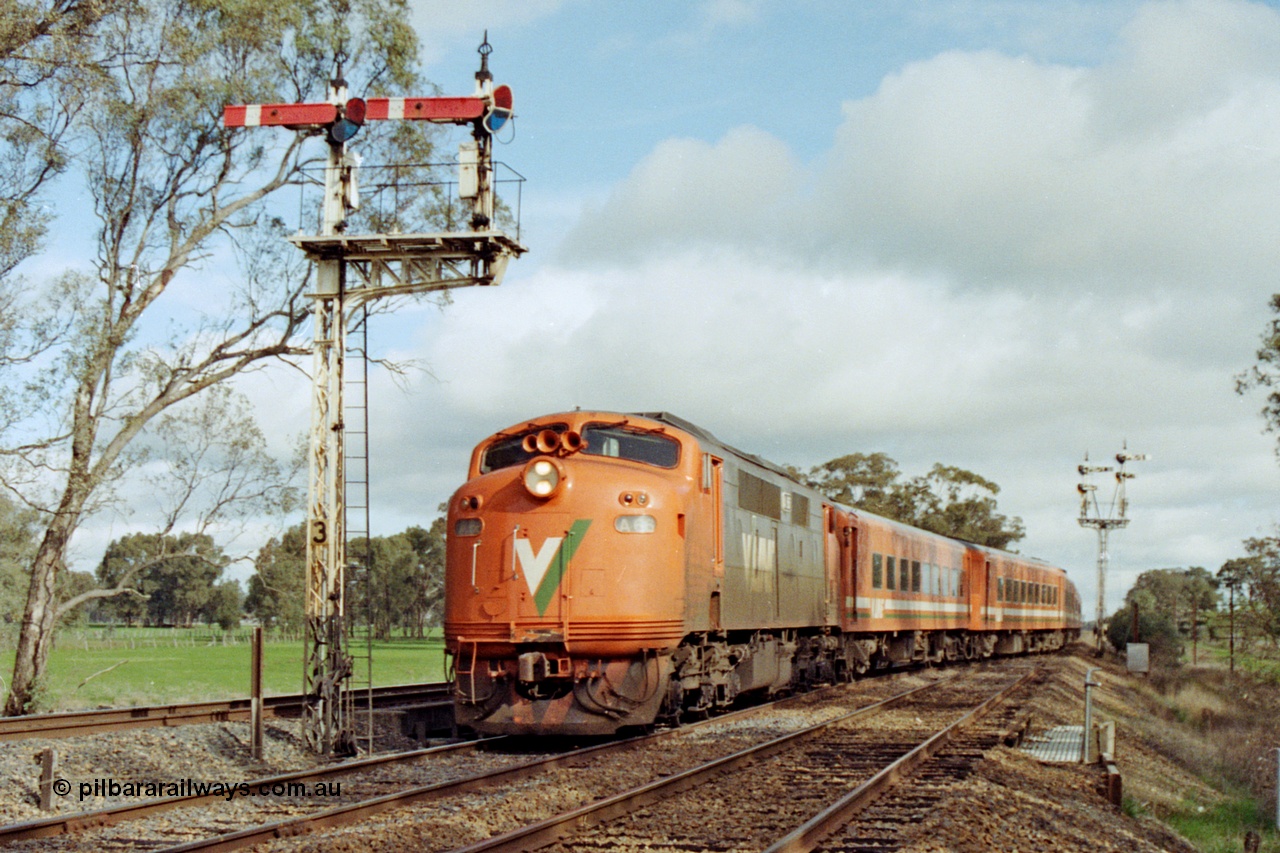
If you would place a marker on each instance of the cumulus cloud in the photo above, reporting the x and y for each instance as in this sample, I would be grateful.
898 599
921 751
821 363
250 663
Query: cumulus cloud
1155 167
999 262
737 192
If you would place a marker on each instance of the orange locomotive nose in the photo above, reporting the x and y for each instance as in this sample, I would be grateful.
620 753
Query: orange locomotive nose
563 603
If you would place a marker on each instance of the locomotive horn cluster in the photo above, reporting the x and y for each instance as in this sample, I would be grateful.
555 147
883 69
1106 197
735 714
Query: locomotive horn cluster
549 441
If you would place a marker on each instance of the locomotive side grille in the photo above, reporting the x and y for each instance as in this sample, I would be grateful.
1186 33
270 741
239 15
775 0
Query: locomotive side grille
659 631
479 631
651 632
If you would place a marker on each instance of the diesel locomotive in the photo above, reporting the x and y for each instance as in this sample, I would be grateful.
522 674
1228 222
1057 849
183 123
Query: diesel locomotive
611 570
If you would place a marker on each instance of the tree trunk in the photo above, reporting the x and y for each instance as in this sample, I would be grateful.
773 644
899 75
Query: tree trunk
40 617
39 620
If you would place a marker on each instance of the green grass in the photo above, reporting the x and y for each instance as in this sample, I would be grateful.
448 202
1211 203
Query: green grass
1221 828
150 670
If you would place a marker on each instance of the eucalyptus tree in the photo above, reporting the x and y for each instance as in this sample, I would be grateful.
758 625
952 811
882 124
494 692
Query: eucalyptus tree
45 67
278 585
160 313
948 500
1265 374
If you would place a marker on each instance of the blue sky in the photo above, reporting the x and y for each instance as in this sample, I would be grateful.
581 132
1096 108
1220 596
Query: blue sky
988 234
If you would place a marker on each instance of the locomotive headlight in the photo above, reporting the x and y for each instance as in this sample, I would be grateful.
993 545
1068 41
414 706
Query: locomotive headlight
635 524
542 477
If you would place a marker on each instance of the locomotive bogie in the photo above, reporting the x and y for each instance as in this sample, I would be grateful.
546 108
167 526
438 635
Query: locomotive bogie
595 697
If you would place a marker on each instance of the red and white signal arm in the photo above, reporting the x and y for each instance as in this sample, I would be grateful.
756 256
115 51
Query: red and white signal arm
279 115
493 110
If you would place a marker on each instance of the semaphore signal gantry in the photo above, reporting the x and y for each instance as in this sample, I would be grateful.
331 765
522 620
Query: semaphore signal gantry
383 265
1113 517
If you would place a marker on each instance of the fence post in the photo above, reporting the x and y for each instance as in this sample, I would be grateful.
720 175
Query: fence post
1087 734
255 694
48 760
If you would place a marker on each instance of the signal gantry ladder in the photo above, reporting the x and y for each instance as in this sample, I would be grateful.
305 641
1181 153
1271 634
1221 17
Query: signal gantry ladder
353 270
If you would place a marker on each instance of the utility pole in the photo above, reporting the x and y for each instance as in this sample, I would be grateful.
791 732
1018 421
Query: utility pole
1232 583
351 271
1114 517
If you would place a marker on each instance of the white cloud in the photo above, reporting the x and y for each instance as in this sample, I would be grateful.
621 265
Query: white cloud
999 263
1141 172
737 192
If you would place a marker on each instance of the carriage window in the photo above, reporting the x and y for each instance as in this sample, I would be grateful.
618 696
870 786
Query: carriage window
999 589
651 448
877 571
915 575
890 573
904 574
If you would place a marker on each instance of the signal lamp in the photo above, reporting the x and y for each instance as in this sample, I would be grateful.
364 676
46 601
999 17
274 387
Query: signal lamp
500 110
350 123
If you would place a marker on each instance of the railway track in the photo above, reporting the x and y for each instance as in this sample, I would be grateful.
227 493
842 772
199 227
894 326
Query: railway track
443 778
77 723
878 814
756 797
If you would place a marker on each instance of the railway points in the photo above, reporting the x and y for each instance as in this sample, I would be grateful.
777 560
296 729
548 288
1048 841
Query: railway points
1008 799
443 775
789 778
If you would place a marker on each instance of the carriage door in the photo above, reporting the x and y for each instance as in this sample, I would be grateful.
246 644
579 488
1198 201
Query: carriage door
832 566
849 570
994 612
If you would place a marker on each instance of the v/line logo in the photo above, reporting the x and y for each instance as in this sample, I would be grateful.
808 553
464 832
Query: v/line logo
544 569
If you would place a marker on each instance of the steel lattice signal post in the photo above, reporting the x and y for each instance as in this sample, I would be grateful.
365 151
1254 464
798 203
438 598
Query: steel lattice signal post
383 265
1114 518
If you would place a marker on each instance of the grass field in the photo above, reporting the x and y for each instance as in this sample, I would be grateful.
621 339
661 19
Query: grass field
159 666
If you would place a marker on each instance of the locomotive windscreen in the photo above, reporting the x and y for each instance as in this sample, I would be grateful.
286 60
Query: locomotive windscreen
647 447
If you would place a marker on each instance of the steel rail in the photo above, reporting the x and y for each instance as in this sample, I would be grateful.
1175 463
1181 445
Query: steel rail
812 832
81 821
354 812
74 723
555 828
